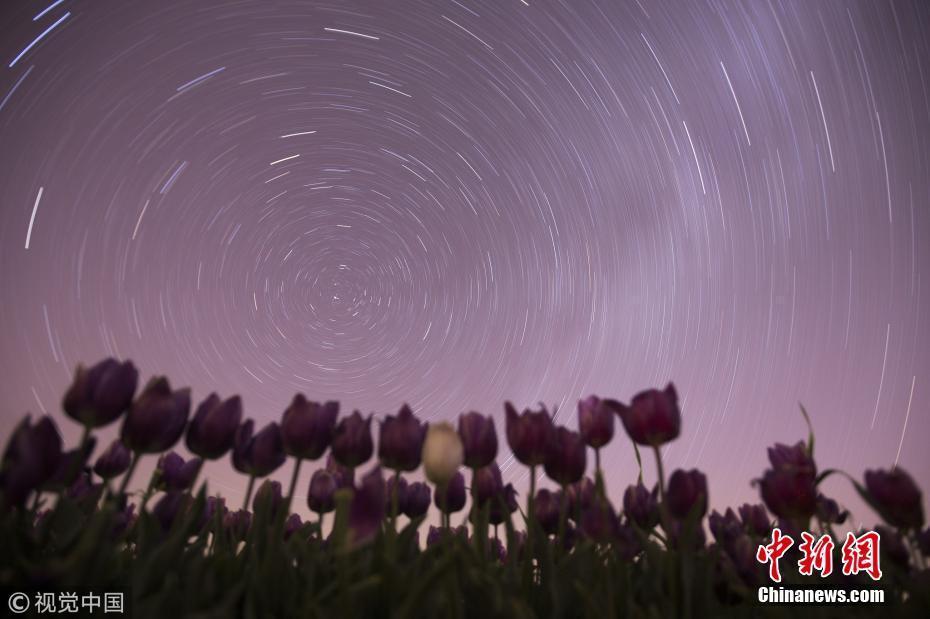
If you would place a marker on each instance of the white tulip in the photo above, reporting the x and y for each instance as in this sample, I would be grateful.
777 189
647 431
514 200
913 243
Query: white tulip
442 453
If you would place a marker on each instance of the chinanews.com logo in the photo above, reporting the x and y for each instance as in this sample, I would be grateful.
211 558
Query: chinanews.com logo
859 555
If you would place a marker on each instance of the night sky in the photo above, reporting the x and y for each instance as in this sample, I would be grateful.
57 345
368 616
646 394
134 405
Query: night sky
454 204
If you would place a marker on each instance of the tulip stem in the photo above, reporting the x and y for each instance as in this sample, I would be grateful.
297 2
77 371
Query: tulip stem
394 501
663 508
248 492
563 514
290 493
132 469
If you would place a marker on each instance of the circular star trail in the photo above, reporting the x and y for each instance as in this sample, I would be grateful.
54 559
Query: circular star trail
454 204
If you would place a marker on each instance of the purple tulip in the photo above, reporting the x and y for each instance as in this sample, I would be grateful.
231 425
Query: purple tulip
546 507
122 520
211 507
268 497
479 439
487 483
528 434
451 498
794 458
627 543
436 534
292 525
641 506
31 458
114 461
71 463
157 418
682 533
85 492
344 476
595 422
599 521
497 550
321 495
366 510
789 494
829 511
896 498
565 457
652 418
213 429
99 395
173 473
755 520
401 441
259 455
726 527
352 444
237 524
503 505
892 546
416 500
580 496
687 493
307 427
169 507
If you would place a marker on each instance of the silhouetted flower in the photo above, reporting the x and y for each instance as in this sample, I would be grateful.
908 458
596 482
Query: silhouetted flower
436 534
595 422
789 494
580 496
626 542
726 528
157 418
122 520
652 418
687 493
504 504
755 520
794 458
237 524
320 496
829 511
261 454
641 506
450 497
400 444
528 434
292 525
497 550
213 429
442 453
169 507
479 439
416 500
366 510
546 508
566 456
211 507
99 395
487 483
896 497
307 427
114 461
352 444
599 521
173 473
32 456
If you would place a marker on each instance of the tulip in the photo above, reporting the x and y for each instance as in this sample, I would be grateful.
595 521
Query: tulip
487 483
599 521
292 525
896 498
173 473
794 458
442 453
595 422
641 506
726 528
213 429
268 497
99 395
498 552
70 465
504 504
681 535
259 455
892 546
789 495
416 500
528 434
122 520
565 456
320 496
169 507
755 520
307 427
546 507
652 418
366 511
401 441
114 461
436 534
237 524
828 511
352 445
450 496
687 493
31 458
479 439
580 496
212 506
84 491
344 476
626 543
157 418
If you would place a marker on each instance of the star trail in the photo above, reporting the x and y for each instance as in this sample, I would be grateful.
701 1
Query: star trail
453 204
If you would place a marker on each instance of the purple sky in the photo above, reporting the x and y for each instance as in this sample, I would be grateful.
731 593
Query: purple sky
455 204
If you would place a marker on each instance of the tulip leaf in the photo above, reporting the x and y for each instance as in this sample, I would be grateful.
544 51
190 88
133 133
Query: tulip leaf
810 430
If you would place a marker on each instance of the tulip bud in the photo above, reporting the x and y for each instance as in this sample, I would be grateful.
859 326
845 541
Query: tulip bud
442 453
687 493
755 520
366 510
896 498
99 395
599 521
726 528
114 461
237 524
173 473
497 550
641 506
789 494
401 441
652 418
344 476
307 427
487 482
156 419
828 511
627 543
211 507
268 497
292 525
794 458
320 496
450 497
565 457
580 496
31 458
416 500
479 439
546 508
528 434
213 429
259 455
352 444
168 508
595 422
504 504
